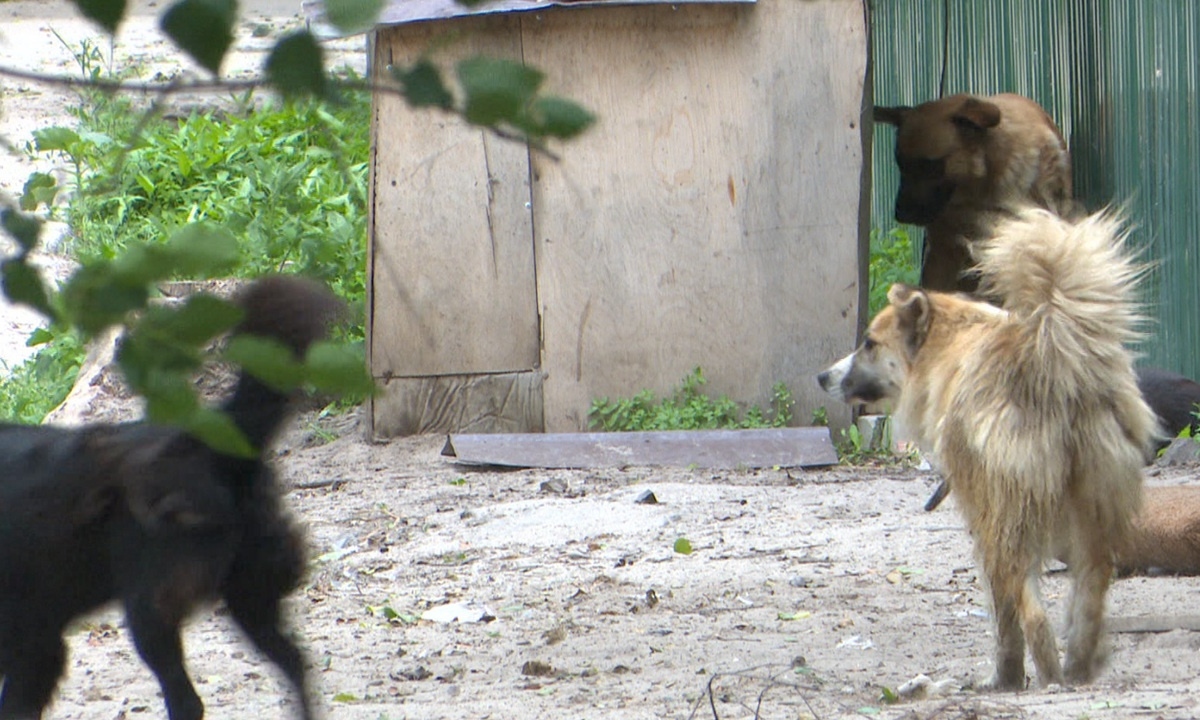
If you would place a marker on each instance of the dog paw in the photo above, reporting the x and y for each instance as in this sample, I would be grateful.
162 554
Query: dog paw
1080 673
1003 682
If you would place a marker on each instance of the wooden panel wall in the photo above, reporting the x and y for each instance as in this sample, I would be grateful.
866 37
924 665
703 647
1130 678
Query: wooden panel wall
712 217
453 287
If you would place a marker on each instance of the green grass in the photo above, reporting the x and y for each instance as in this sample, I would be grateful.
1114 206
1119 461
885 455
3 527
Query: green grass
687 408
36 386
287 180
892 260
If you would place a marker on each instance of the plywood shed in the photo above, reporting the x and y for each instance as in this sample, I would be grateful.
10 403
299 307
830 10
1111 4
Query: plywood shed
714 216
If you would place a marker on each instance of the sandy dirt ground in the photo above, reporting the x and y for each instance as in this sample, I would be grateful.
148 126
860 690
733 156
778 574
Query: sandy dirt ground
806 594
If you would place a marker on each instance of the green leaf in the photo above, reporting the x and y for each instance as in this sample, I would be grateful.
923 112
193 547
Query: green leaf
268 360
54 139
23 284
195 322
96 297
202 29
338 369
106 13
23 228
40 188
199 250
683 546
345 698
217 430
296 65
196 250
497 90
561 118
158 365
422 86
169 400
351 16
41 336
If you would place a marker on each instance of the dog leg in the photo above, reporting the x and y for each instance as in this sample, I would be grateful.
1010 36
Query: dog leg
157 641
1091 573
1020 616
1010 643
30 679
1040 634
259 619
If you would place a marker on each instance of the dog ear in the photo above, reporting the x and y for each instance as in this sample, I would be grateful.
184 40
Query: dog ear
977 114
891 115
913 314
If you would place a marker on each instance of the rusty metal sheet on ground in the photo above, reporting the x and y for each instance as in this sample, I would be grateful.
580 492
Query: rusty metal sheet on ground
776 447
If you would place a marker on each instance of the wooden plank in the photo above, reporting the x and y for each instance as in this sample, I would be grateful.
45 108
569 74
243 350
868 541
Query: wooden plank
712 217
1154 623
453 289
777 447
504 402
396 12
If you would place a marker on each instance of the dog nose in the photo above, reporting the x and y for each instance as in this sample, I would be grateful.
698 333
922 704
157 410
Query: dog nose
823 379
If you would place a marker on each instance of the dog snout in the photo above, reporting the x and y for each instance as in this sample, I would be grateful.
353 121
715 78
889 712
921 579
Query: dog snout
832 378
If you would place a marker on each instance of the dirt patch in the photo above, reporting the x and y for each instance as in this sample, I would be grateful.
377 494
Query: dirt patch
806 592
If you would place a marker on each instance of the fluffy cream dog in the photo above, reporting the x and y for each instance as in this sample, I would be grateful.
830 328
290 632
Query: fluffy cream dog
1033 413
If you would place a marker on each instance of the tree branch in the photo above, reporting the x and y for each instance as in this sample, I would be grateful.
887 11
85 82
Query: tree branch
164 90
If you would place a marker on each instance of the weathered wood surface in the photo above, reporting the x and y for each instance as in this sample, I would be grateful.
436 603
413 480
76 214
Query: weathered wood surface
507 402
711 218
406 11
453 288
714 210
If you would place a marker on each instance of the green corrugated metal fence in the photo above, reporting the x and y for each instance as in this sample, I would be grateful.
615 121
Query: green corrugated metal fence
1119 77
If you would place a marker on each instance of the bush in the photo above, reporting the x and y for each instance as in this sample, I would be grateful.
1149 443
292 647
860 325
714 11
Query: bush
687 408
38 385
893 260
287 180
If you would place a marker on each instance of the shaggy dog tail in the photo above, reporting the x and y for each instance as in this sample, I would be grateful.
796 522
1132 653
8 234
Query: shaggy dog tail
1070 290
1072 285
293 311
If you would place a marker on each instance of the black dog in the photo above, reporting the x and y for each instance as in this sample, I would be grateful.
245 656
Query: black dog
1173 398
153 518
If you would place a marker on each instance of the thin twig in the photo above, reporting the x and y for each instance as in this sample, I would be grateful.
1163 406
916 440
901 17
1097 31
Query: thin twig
772 680
712 700
229 85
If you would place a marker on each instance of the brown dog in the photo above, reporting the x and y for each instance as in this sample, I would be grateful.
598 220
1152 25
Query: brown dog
1033 413
964 162
1166 534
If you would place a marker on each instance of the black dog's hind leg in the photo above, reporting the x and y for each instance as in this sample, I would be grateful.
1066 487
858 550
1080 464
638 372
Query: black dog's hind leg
267 567
258 616
31 676
157 640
